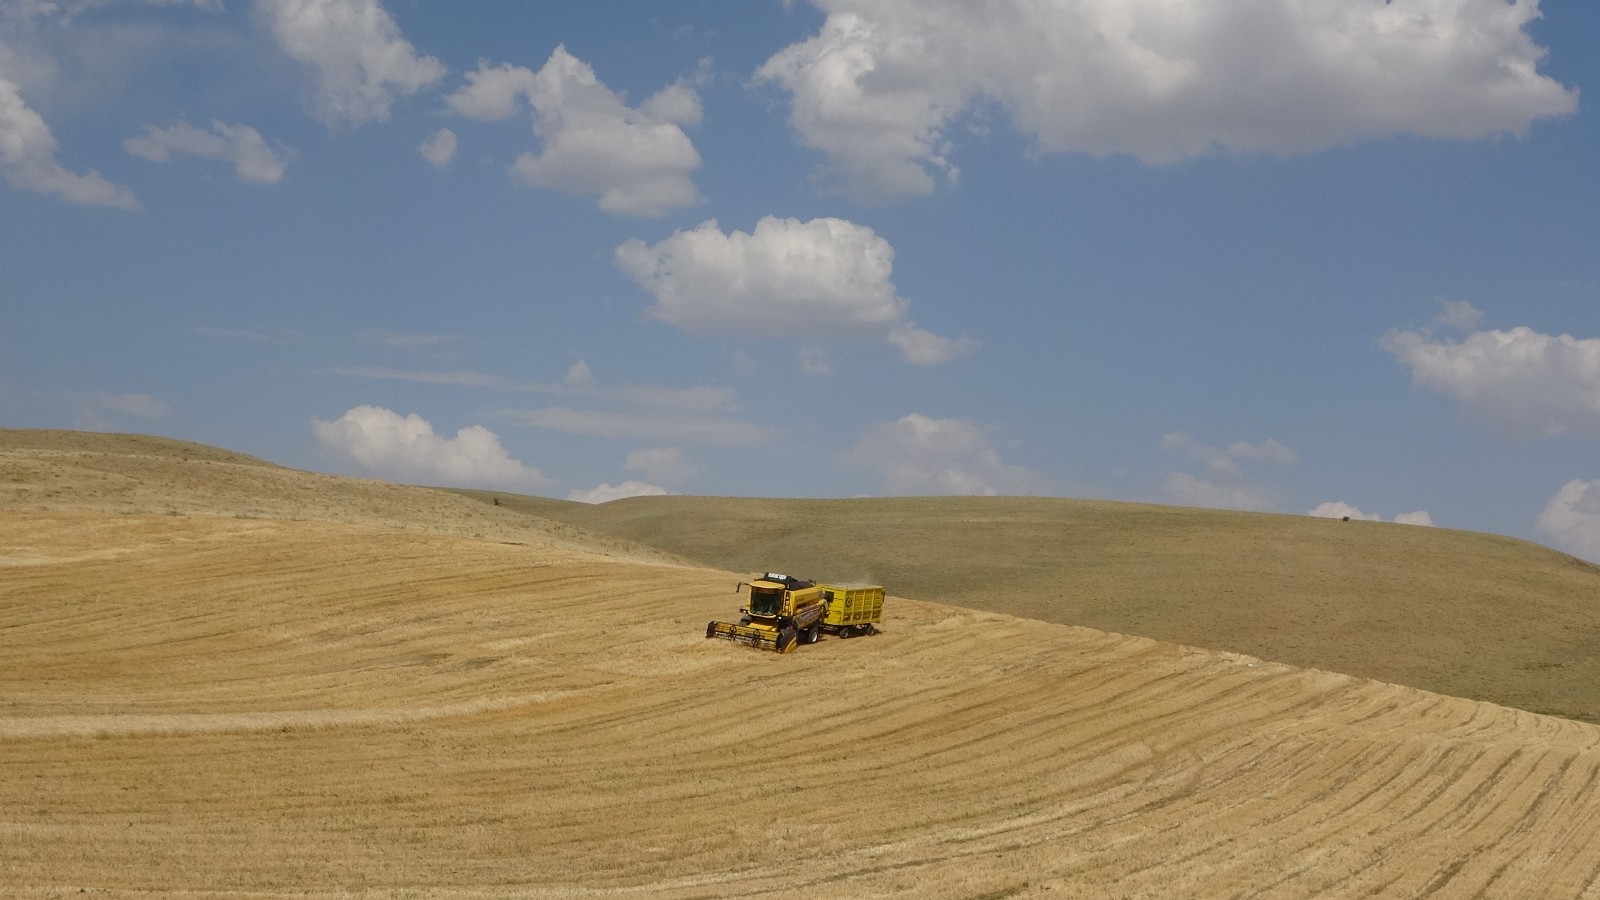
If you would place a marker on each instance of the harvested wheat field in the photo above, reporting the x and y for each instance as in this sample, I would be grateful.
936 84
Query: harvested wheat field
434 698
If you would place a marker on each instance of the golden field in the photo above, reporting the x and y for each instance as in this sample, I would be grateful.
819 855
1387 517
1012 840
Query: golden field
223 678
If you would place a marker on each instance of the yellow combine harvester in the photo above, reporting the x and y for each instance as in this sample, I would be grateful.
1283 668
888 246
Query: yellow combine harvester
784 612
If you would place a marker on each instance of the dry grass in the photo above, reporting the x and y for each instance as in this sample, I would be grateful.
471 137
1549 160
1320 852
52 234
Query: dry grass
1467 614
207 704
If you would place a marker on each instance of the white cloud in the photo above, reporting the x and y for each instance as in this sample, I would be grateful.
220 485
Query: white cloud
405 448
1517 383
608 492
920 455
362 60
1224 485
28 158
662 464
579 375
1338 509
637 159
1459 315
578 382
1224 462
1188 490
439 148
110 412
142 406
822 279
879 88
1572 519
241 145
493 93
642 412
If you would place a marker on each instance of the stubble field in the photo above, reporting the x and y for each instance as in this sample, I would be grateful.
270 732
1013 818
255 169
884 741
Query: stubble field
435 698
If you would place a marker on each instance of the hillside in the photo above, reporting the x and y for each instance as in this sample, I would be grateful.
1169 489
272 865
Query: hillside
1468 614
143 475
194 700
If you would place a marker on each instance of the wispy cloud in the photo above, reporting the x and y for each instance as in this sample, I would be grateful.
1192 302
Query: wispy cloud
651 425
1225 484
921 455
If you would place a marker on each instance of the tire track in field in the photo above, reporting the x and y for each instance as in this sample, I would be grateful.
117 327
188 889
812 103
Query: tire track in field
451 717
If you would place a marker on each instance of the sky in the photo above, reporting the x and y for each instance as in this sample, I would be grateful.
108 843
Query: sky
1312 257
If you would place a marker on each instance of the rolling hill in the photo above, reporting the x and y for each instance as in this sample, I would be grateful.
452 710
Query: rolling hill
1462 613
227 679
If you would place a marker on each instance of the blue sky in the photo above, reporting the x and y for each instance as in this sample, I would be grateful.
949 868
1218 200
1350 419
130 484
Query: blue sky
1298 256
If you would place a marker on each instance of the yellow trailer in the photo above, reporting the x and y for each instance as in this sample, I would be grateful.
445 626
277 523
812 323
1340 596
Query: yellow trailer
784 612
854 608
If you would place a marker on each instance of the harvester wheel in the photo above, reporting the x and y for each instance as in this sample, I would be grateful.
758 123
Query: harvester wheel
786 639
813 634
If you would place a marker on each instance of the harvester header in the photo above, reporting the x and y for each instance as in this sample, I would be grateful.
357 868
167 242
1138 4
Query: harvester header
784 612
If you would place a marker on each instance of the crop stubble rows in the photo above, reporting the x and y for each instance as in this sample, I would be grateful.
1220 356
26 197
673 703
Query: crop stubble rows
268 706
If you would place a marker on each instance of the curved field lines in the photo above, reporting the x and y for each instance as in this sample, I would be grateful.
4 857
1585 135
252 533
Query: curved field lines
241 706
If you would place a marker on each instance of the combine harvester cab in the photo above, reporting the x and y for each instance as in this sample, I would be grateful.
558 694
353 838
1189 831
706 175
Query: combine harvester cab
784 612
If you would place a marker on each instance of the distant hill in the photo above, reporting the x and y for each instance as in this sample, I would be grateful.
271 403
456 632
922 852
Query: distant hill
122 444
1469 614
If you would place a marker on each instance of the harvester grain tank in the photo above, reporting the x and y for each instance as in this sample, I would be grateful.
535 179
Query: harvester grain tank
784 612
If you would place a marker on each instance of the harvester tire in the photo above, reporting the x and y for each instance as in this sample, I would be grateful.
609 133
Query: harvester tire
813 634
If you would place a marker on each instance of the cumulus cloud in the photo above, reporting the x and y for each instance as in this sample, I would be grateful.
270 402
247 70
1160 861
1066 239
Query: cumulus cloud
1572 519
363 62
405 448
28 158
880 88
921 455
439 148
1518 383
638 160
1338 509
607 492
822 279
241 145
667 465
1225 485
